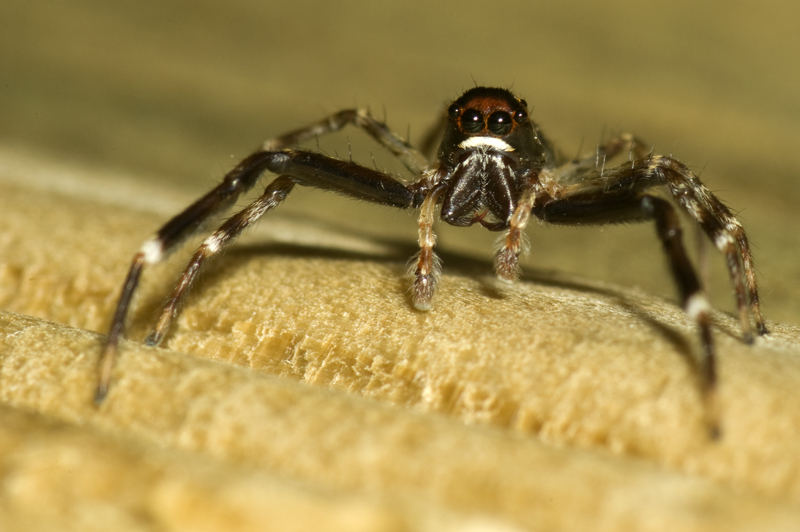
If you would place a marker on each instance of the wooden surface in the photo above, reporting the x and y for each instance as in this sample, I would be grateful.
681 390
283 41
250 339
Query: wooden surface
567 402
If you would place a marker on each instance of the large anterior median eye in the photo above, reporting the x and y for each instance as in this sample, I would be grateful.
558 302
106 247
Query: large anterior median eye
471 121
499 123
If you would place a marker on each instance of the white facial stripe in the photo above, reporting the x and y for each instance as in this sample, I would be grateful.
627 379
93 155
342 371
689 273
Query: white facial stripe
486 142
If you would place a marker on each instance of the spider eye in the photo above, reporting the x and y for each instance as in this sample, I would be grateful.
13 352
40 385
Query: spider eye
453 111
500 123
521 116
471 121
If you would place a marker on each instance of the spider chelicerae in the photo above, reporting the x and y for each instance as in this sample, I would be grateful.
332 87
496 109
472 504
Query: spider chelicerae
493 167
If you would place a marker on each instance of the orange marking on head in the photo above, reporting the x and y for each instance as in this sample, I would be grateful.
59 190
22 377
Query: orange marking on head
488 104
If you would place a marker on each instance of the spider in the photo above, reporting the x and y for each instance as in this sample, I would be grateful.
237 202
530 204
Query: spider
493 167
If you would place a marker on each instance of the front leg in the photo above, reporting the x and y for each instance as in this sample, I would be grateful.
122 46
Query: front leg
300 167
235 183
296 167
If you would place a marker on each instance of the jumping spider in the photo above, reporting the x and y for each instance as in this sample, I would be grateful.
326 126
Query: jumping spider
493 167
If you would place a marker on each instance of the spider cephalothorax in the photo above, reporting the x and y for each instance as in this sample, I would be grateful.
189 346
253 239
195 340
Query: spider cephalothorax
490 152
493 167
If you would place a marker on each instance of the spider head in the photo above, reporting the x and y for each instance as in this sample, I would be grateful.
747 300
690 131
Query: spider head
491 118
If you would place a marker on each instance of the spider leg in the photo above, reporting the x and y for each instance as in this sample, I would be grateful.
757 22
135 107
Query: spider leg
713 217
724 230
506 261
274 194
295 167
408 155
630 206
693 299
170 236
426 273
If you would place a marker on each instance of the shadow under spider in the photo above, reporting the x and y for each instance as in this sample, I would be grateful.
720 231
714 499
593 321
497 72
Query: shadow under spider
456 264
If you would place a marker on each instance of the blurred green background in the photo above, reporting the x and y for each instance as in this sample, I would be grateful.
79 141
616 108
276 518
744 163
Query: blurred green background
177 91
